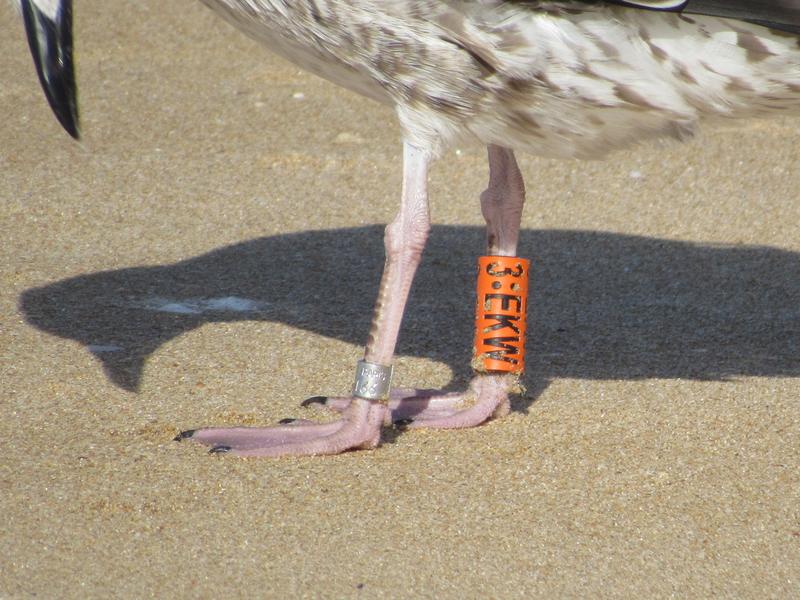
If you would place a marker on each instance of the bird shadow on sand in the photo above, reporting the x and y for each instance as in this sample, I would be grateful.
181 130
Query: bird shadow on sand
602 305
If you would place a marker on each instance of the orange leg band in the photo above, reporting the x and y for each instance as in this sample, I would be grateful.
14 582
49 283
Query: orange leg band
500 314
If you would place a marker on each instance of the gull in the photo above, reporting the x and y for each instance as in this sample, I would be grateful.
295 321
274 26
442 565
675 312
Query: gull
557 79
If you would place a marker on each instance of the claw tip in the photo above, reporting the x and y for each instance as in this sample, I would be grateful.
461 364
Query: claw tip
184 435
314 400
402 424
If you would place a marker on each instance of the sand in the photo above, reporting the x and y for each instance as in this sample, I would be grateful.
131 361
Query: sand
209 254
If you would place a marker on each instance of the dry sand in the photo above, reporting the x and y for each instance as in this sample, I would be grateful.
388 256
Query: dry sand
655 454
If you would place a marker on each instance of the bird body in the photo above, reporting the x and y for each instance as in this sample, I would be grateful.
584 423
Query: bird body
561 79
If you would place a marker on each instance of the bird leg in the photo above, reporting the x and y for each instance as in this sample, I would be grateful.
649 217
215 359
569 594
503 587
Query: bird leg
362 418
501 204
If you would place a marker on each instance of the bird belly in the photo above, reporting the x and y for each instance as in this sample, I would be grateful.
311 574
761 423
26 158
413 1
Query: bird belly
262 21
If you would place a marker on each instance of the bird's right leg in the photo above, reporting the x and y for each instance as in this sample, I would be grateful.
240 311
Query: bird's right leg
501 204
365 411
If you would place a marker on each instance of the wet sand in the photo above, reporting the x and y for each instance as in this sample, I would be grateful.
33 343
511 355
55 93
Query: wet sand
209 254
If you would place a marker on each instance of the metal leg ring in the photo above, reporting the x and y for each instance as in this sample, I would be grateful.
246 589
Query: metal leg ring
373 381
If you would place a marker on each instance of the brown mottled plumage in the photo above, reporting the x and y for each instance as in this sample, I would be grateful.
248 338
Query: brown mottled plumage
552 78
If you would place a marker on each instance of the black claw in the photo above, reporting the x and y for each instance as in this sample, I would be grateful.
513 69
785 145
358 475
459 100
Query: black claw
314 400
402 424
221 449
183 435
287 421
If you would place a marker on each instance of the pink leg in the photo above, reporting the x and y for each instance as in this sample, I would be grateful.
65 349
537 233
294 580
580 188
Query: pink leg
501 204
361 419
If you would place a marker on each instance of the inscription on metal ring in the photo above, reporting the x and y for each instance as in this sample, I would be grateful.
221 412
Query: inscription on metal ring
373 381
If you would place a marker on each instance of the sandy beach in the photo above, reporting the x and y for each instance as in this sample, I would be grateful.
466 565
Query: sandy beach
209 254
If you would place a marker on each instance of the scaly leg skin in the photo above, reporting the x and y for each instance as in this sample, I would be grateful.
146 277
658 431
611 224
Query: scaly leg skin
487 397
361 419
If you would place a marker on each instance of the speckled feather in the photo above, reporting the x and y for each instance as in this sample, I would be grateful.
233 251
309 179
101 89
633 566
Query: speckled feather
552 78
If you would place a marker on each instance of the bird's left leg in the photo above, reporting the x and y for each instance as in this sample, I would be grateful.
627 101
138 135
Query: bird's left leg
365 411
501 204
